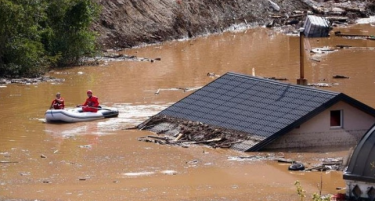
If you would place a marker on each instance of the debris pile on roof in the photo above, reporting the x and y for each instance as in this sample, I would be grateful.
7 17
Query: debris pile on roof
184 133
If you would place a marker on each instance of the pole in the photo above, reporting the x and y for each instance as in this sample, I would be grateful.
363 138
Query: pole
301 57
301 80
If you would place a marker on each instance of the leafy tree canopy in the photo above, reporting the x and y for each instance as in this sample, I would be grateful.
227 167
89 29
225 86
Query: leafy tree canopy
38 34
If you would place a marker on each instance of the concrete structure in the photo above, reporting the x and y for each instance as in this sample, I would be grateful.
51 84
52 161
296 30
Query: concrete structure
277 114
360 173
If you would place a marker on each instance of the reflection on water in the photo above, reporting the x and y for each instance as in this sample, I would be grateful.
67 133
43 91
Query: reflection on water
101 160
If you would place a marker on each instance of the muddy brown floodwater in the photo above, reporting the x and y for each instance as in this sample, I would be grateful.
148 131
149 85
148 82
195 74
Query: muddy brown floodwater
100 160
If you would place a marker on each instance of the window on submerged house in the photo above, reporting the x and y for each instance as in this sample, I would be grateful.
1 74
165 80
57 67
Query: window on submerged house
336 118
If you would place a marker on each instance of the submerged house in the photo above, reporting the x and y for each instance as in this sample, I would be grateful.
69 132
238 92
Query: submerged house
315 26
279 115
360 173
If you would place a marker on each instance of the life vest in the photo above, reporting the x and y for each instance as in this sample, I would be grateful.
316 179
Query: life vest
57 105
92 102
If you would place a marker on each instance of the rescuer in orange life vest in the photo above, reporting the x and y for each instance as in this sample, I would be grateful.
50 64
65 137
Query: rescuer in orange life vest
91 104
58 102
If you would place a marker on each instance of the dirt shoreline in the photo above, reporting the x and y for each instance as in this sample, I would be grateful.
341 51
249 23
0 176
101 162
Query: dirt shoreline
125 24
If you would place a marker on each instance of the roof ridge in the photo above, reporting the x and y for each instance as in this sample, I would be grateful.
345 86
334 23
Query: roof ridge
262 107
282 83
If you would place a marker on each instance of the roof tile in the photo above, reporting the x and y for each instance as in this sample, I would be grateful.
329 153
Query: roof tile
250 104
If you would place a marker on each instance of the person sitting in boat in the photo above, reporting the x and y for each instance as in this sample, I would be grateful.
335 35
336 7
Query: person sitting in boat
91 104
58 102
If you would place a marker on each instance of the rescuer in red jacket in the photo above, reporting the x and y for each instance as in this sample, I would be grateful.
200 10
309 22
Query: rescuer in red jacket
58 102
91 104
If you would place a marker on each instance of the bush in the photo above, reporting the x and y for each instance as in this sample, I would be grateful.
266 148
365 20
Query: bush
316 197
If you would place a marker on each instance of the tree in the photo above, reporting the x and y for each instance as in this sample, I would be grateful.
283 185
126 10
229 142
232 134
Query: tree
71 38
21 51
37 34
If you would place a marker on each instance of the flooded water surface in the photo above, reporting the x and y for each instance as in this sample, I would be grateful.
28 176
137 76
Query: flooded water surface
101 160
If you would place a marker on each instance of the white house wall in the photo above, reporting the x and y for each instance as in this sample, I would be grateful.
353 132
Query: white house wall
317 131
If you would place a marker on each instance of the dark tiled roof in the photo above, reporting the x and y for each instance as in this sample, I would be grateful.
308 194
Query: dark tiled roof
361 165
257 106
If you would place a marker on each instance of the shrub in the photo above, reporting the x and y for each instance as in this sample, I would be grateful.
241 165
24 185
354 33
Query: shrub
316 197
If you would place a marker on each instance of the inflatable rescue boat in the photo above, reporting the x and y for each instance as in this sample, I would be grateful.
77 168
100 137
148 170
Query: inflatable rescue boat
77 115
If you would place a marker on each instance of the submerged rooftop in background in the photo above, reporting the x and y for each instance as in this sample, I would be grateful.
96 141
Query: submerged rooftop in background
316 26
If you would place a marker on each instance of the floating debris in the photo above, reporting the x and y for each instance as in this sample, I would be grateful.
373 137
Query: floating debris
170 89
212 75
25 173
320 84
355 36
137 174
332 164
277 78
29 81
177 89
340 77
192 162
260 157
322 50
86 146
169 172
5 81
122 57
283 160
343 46
315 59
8 162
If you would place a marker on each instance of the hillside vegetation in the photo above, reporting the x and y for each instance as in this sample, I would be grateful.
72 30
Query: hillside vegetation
38 34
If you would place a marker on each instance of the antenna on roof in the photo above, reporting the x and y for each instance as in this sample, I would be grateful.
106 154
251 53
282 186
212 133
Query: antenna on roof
301 80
